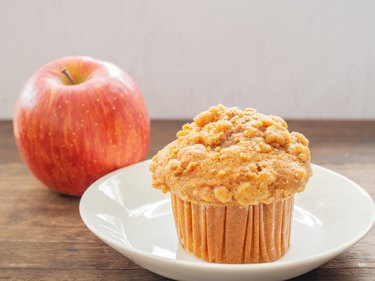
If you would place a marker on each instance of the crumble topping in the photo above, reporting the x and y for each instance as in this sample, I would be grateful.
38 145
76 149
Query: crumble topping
228 156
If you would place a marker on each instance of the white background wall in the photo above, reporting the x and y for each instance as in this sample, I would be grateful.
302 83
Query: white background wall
298 59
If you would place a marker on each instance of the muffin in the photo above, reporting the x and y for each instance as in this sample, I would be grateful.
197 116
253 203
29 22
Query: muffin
232 176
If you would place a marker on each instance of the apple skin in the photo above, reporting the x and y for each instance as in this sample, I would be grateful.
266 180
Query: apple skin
71 135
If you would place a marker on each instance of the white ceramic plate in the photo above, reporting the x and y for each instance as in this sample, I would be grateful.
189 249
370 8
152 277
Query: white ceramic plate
122 209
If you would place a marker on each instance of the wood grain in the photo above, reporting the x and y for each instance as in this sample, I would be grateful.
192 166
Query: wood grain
43 238
79 275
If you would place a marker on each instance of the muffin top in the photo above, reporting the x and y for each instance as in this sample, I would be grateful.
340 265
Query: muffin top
229 156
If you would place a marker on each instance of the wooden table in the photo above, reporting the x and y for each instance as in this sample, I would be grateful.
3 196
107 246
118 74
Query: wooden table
42 236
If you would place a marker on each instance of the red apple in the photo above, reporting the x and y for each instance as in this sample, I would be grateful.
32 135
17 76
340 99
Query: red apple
78 119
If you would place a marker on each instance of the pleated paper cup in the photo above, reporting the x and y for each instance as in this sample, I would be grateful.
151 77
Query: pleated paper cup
232 234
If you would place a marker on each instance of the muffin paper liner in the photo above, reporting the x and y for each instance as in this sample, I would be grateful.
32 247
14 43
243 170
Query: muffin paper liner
230 234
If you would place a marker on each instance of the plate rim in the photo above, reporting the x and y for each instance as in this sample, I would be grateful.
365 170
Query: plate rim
323 256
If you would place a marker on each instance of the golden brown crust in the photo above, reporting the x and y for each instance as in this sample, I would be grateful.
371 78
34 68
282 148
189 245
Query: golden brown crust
232 157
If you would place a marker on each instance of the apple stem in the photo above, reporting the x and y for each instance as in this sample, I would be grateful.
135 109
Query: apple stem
67 74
